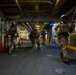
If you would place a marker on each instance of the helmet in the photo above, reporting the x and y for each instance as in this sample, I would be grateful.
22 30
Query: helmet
63 18
13 24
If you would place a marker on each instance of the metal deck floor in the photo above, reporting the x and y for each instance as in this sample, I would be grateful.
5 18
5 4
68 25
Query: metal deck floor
44 61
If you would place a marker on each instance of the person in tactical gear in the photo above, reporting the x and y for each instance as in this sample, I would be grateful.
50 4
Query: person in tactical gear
13 37
36 36
31 37
62 33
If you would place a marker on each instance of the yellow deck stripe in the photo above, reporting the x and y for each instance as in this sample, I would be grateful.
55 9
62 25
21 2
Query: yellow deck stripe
2 34
73 34
71 47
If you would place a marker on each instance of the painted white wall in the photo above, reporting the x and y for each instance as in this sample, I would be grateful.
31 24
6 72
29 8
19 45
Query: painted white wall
22 33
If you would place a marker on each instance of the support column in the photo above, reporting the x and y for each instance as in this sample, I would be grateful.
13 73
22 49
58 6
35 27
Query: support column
49 35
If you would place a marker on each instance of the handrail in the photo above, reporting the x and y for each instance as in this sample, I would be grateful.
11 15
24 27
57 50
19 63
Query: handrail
73 34
71 47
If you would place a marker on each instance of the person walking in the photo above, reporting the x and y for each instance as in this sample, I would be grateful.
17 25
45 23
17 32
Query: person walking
63 30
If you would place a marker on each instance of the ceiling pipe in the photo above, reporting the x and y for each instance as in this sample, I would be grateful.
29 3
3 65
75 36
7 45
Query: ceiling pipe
14 17
71 10
39 11
29 26
6 5
37 1
26 26
58 5
19 6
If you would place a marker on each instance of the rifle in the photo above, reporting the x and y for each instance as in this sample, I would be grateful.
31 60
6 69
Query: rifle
73 18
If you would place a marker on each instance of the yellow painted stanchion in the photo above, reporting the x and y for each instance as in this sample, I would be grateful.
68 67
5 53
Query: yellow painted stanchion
72 34
71 47
48 40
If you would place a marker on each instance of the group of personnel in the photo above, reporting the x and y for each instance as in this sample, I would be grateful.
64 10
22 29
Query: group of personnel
13 42
62 31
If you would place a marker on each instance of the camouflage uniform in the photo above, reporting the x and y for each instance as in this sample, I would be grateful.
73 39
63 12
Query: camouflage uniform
13 37
62 31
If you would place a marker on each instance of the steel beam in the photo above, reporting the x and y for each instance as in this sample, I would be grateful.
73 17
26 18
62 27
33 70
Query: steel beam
19 6
35 1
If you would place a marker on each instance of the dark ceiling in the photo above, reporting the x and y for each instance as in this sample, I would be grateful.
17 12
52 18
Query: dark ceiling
23 7
15 7
69 4
19 10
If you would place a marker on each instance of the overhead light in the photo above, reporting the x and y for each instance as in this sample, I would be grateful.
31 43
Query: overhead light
36 7
46 23
57 1
37 26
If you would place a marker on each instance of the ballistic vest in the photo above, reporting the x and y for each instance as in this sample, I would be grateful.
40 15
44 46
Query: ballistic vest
63 29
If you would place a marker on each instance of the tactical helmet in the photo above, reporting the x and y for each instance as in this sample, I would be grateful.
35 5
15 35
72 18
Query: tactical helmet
63 17
13 24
